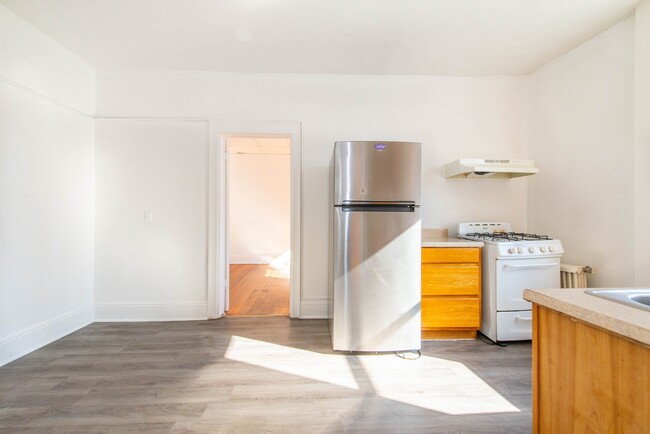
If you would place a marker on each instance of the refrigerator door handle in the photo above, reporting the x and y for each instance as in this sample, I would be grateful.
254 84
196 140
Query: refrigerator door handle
378 208
377 202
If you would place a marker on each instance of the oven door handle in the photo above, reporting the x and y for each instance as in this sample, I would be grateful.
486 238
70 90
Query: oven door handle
521 318
552 264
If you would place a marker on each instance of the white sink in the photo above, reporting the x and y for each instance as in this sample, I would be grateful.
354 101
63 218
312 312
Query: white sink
639 298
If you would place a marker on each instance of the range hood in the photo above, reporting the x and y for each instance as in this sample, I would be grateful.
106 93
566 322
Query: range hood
480 168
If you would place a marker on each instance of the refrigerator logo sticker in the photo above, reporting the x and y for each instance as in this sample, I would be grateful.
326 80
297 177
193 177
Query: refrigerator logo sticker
380 146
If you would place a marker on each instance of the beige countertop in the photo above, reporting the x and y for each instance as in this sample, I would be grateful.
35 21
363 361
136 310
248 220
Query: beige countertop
449 242
618 318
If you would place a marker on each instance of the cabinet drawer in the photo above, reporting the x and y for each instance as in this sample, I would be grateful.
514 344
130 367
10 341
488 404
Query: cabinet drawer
451 312
451 280
450 255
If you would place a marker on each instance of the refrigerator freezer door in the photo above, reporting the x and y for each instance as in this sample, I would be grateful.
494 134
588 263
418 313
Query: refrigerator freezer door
376 172
376 280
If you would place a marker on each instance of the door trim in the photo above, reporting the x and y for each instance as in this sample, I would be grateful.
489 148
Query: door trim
217 260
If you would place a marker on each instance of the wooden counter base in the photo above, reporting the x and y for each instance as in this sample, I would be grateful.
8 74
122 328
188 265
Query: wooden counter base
586 379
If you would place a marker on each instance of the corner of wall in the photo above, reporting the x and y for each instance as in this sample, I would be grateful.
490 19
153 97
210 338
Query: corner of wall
49 92
641 144
24 342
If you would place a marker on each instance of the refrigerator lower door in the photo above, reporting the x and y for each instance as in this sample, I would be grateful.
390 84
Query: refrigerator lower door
376 282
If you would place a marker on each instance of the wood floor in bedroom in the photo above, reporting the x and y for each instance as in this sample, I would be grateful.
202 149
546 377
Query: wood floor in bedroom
262 374
258 289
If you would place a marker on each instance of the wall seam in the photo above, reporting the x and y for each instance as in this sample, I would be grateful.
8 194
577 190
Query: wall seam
44 97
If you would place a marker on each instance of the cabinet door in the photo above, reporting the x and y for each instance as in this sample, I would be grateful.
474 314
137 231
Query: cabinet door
451 312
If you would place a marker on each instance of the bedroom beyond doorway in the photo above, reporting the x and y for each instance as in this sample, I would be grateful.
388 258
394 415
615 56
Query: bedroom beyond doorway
259 206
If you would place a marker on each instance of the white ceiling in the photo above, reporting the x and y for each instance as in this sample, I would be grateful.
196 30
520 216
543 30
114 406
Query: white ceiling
396 37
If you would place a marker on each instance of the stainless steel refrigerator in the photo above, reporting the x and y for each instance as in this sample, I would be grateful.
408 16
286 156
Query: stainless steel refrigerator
375 244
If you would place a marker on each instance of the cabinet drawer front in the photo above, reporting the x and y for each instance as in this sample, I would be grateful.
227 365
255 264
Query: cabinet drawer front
449 312
451 280
451 255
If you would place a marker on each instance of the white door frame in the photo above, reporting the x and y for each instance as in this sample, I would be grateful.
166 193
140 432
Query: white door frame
218 284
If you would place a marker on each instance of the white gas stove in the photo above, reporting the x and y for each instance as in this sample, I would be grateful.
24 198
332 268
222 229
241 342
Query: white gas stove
512 262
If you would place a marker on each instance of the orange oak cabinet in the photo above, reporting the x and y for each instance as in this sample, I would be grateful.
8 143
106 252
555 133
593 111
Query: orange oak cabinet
586 379
451 292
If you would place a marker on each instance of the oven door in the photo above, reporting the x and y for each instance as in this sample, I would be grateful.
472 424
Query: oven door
515 275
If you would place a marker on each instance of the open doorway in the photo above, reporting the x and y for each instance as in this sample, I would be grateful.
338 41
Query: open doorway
258 225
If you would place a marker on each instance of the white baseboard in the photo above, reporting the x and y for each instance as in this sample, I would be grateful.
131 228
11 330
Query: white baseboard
118 312
24 342
30 339
313 309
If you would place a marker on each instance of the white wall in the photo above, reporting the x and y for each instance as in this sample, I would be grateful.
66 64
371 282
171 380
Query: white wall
46 189
581 135
37 63
642 146
452 117
260 207
151 222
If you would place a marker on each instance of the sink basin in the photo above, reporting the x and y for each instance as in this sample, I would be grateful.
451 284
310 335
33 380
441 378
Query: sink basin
644 299
639 298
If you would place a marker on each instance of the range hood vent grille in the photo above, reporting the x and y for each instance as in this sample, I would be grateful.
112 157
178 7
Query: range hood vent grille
489 168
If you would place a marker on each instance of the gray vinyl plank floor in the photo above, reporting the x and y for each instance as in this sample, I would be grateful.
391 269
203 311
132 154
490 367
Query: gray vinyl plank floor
264 374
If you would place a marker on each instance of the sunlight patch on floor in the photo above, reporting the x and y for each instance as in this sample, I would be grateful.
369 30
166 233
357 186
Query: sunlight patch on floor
281 265
435 384
275 274
328 368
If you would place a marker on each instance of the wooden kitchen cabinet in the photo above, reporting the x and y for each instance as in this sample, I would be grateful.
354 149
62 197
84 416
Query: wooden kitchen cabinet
587 379
451 292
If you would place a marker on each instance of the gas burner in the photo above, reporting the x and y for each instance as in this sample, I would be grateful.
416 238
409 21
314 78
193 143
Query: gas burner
528 237
503 236
506 236
495 236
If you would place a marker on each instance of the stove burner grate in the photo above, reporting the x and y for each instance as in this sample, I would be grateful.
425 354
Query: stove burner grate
533 237
507 236
494 236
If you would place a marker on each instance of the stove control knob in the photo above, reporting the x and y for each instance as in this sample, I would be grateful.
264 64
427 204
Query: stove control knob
512 250
551 248
532 249
543 249
520 249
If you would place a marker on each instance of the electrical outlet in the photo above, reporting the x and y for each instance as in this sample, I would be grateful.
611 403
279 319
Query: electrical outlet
148 216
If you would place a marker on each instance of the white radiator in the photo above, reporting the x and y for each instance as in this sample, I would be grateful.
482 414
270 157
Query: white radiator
575 276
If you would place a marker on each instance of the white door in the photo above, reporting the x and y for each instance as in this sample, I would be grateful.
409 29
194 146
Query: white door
515 275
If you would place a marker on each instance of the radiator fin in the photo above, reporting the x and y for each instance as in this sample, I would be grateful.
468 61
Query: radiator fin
575 276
